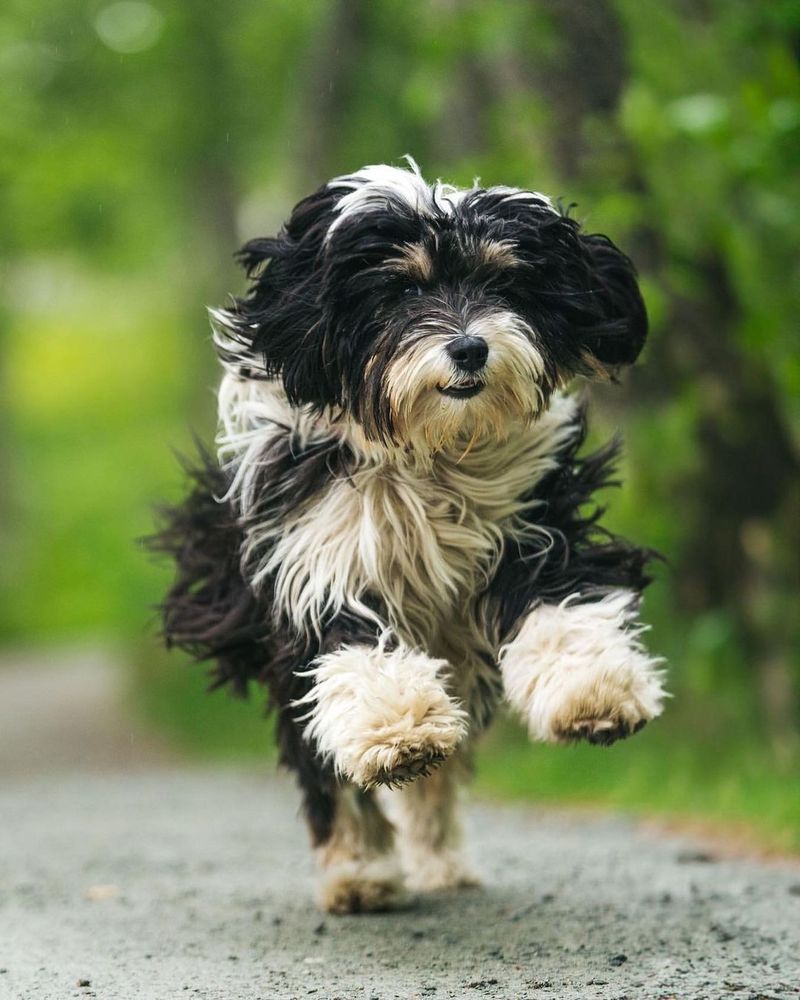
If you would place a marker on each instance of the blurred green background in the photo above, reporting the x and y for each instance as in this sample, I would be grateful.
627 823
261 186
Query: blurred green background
142 142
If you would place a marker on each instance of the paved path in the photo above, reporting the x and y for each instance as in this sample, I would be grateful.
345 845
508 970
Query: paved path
173 884
123 873
62 709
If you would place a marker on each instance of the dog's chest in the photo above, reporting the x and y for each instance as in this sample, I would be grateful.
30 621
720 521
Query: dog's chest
418 544
423 545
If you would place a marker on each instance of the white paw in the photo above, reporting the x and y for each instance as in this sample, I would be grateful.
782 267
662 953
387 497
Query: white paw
383 718
361 887
580 671
436 870
600 708
387 757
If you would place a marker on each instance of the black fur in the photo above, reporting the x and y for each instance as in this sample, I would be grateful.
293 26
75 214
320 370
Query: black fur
212 612
569 552
319 310
326 312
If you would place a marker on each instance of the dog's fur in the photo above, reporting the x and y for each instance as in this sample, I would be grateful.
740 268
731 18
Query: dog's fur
394 536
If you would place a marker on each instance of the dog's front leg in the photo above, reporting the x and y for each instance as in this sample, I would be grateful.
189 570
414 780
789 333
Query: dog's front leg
381 713
578 670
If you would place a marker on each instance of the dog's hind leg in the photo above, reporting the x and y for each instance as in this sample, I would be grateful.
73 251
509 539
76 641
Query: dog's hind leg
359 871
428 829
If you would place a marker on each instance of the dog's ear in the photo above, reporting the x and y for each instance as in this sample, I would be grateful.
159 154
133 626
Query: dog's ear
277 327
300 240
582 295
618 327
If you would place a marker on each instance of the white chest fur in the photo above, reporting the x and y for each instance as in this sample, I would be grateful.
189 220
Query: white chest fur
422 538
414 540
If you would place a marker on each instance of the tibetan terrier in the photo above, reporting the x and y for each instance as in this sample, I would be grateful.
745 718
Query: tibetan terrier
397 532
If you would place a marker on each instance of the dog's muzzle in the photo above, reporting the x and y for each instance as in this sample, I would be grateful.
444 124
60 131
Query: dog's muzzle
468 354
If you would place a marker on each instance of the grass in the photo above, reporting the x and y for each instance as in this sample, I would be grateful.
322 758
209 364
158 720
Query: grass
172 697
660 772
94 409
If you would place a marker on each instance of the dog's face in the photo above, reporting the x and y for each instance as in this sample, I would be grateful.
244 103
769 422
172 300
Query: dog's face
429 314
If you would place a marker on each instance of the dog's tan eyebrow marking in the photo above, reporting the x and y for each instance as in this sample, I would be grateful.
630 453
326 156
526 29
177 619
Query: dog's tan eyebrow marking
499 253
414 261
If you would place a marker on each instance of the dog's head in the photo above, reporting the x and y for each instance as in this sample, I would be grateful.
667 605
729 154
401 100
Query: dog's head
428 313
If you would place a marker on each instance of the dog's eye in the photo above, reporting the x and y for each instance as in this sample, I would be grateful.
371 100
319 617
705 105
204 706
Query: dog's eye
411 290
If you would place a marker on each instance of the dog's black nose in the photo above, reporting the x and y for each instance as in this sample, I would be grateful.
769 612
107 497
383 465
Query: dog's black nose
468 353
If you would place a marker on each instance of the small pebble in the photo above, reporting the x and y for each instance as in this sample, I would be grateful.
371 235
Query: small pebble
695 858
95 893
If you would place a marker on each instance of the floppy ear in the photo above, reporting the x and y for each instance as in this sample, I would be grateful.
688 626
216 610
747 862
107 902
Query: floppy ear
277 327
619 332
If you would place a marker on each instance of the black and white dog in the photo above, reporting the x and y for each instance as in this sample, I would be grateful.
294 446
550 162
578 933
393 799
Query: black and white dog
397 533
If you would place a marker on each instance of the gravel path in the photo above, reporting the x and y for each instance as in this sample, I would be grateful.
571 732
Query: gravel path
167 883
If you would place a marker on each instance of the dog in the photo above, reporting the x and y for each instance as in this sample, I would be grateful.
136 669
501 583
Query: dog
397 531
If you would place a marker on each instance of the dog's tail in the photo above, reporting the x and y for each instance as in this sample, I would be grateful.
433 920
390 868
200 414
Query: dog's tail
210 611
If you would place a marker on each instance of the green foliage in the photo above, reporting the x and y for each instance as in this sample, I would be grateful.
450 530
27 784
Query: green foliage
716 130
172 696
139 142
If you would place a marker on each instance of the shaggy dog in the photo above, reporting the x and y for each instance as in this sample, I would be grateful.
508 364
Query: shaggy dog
396 532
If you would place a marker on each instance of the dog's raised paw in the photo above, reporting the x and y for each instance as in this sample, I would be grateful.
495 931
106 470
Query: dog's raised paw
600 732
599 706
581 672
410 763
599 714
391 759
383 717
